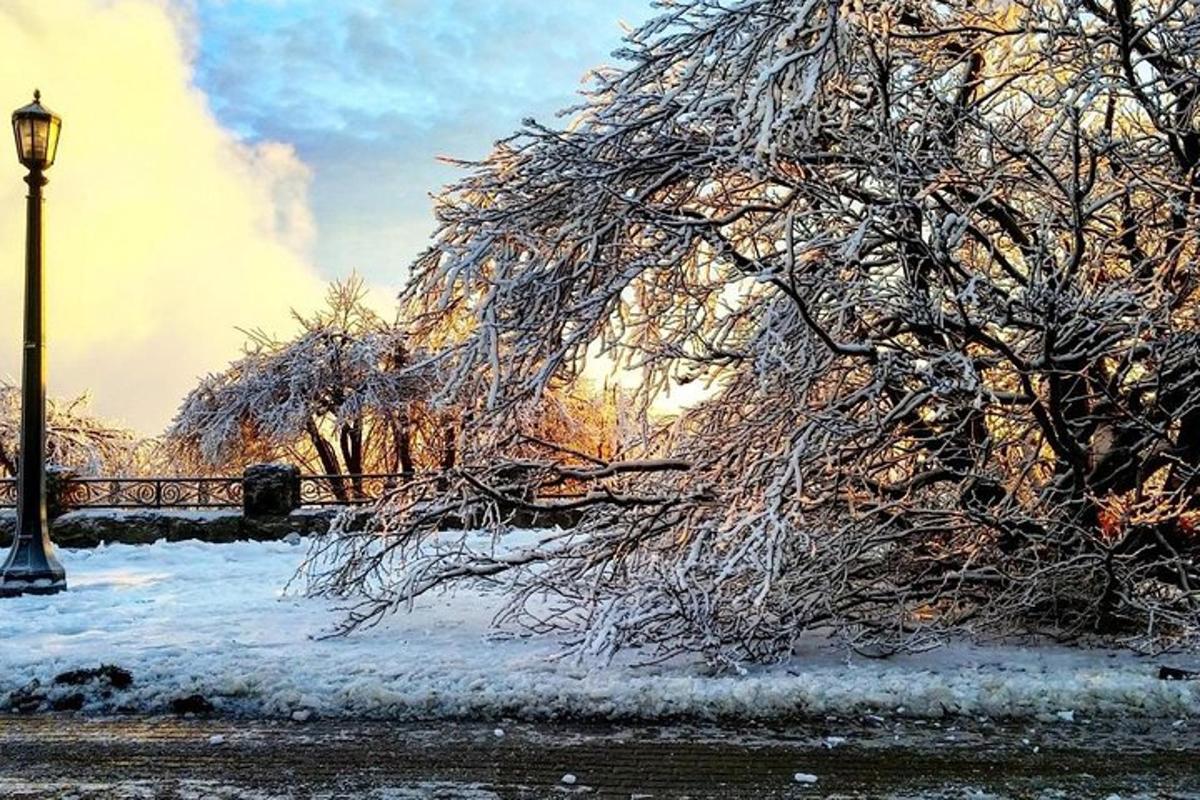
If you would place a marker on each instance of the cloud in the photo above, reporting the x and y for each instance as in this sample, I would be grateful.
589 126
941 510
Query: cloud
164 231
369 69
371 92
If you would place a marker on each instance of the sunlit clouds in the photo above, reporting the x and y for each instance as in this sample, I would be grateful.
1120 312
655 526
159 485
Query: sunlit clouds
163 231
222 159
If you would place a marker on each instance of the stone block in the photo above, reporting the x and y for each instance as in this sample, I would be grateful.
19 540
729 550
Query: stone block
270 490
57 485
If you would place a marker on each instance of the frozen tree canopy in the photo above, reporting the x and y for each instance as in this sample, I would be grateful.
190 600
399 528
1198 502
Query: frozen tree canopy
334 399
937 261
75 437
344 397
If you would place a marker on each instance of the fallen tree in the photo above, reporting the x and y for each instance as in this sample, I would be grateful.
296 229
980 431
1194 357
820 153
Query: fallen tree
936 263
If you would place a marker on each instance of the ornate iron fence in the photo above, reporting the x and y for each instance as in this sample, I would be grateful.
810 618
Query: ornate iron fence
195 492
346 490
152 493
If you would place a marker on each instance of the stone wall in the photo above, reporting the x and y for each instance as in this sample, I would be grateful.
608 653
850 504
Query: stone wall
270 510
90 528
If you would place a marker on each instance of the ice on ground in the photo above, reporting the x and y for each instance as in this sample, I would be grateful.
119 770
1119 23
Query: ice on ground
211 619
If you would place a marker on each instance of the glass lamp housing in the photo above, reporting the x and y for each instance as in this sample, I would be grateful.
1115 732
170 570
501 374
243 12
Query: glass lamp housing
36 130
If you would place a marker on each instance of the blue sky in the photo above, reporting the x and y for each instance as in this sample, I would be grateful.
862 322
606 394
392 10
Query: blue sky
370 92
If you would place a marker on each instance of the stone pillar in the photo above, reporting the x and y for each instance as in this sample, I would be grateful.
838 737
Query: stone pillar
270 490
58 480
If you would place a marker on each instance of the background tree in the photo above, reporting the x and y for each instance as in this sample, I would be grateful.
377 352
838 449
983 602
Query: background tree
336 399
76 438
938 261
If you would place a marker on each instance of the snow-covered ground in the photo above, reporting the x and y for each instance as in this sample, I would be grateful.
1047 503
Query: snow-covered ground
212 619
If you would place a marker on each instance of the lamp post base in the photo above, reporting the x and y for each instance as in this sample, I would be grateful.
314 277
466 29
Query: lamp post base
12 587
31 570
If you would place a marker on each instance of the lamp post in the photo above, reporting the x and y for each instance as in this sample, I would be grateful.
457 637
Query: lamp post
31 567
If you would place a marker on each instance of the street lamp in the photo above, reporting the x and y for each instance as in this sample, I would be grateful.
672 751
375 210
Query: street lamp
31 567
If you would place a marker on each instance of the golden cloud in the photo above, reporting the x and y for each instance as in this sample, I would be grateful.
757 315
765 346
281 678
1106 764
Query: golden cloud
163 231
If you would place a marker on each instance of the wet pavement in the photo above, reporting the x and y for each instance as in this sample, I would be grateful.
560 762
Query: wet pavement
68 756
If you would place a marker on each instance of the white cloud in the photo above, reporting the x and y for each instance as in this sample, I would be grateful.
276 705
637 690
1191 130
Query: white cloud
163 231
373 91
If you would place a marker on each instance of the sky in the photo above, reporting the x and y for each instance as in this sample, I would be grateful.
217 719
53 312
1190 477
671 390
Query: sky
221 160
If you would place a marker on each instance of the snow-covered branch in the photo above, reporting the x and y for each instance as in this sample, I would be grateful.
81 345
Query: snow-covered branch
937 264
75 438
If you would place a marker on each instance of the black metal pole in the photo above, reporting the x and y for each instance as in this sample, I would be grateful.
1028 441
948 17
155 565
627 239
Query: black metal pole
32 567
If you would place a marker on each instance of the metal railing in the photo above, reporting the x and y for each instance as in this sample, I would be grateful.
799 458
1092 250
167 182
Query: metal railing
197 492
152 493
347 490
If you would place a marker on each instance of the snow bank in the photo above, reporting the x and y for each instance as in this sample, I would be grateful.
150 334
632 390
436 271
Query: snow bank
211 619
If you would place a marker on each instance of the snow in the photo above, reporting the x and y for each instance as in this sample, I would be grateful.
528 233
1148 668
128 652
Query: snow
212 619
132 515
804 777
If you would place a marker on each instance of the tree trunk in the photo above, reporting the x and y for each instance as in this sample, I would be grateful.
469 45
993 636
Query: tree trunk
9 463
449 453
350 438
329 462
403 433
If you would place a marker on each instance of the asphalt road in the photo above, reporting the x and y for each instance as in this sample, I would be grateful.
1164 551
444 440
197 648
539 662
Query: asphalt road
67 756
